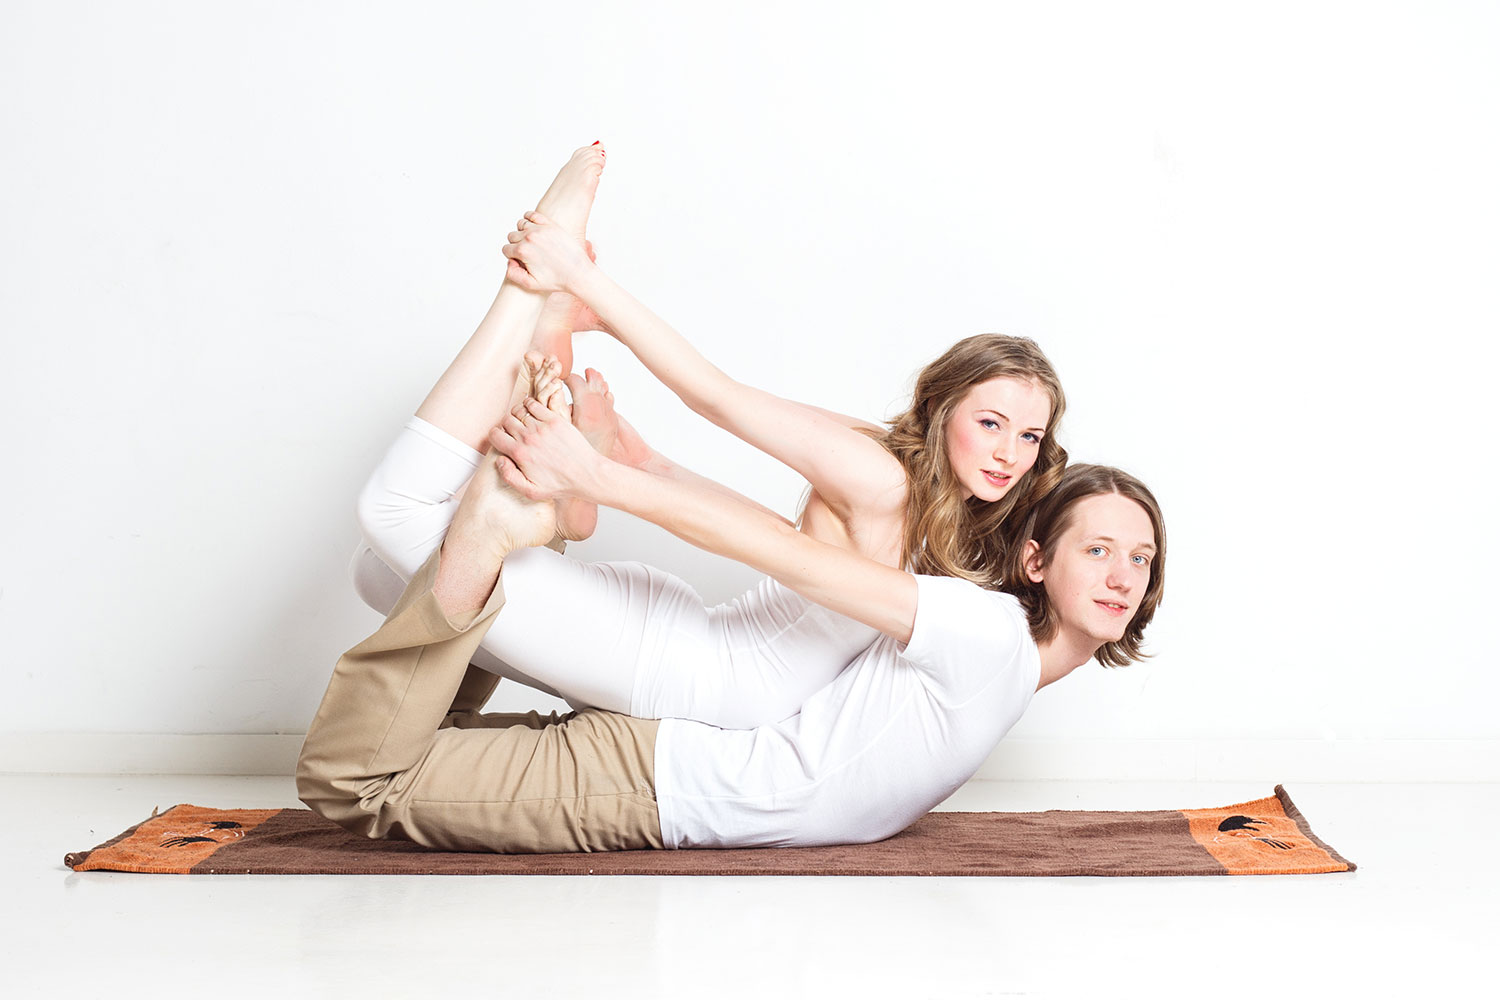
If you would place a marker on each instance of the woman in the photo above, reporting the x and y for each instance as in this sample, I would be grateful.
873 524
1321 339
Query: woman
932 495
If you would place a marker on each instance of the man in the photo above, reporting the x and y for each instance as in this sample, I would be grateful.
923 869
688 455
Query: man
399 748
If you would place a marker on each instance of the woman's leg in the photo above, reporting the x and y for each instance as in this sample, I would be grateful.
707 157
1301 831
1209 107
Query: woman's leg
636 616
472 396
619 636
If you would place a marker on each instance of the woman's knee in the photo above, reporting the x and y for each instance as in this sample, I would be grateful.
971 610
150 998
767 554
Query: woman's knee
374 582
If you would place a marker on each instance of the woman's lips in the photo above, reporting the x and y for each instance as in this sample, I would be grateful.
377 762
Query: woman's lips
996 478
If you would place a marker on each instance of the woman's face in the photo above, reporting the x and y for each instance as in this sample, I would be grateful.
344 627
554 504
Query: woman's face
994 434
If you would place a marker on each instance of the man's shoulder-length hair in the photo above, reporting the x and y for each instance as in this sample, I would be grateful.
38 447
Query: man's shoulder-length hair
1049 520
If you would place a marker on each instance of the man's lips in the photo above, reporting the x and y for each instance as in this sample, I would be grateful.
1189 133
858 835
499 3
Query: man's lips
1113 607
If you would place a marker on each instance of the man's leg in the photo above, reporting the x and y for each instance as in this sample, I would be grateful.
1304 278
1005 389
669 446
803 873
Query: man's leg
397 749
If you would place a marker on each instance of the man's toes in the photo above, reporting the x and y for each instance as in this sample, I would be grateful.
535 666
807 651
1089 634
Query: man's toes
532 362
551 396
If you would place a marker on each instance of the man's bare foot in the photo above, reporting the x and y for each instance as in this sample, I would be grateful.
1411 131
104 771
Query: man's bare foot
539 378
544 379
492 521
576 519
571 196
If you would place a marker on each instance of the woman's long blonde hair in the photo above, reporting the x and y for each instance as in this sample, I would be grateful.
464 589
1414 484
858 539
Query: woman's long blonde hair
946 534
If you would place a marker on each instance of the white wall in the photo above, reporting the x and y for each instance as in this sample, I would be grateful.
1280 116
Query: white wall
239 243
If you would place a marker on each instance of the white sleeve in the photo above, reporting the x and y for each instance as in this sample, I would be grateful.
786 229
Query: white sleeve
963 634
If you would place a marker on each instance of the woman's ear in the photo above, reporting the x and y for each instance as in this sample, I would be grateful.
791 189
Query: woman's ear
1031 558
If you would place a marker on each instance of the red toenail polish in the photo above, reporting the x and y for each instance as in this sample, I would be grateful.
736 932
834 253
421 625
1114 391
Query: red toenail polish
596 142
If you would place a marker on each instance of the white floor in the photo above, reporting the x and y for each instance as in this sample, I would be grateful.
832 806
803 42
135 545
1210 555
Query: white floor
1417 920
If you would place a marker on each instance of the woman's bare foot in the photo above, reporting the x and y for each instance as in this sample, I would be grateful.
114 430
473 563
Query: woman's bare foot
594 410
630 448
594 415
563 316
571 196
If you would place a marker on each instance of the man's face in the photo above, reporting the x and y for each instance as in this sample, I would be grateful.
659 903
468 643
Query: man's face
1101 568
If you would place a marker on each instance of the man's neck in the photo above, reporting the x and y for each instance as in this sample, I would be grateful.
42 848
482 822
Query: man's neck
1062 654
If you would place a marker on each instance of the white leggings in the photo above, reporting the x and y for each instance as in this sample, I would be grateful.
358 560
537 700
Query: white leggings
621 636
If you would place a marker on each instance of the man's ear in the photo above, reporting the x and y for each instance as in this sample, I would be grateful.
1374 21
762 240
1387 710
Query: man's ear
1031 558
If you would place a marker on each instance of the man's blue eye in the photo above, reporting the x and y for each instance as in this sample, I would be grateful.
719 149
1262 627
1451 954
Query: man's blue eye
1099 549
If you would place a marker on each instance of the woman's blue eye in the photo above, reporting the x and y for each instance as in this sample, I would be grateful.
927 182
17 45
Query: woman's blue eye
1096 549
1141 560
989 425
1034 439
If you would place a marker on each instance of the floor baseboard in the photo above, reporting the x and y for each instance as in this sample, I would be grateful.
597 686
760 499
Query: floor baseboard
1013 760
1245 760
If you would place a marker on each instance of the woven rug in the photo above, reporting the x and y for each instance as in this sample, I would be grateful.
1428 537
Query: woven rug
1269 836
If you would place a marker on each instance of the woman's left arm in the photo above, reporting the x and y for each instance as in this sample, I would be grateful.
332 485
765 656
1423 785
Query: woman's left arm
545 457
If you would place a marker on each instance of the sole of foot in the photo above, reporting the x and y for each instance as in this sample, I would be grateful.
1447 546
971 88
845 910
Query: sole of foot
569 199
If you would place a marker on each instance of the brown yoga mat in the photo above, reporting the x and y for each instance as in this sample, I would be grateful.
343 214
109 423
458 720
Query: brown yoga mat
1266 837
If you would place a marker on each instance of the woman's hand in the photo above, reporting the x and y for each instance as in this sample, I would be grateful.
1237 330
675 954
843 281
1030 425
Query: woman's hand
543 456
544 258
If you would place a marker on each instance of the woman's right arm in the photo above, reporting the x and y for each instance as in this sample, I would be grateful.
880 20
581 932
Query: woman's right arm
849 470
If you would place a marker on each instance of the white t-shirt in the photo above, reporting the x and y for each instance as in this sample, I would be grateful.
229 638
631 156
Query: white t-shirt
892 736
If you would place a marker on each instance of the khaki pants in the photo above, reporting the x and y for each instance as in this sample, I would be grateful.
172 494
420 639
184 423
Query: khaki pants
399 749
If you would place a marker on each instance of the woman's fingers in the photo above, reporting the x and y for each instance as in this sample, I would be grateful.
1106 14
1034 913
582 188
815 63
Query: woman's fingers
539 410
516 479
516 272
513 426
501 441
